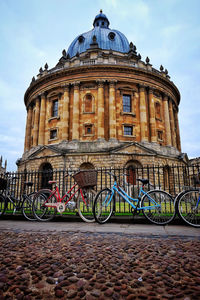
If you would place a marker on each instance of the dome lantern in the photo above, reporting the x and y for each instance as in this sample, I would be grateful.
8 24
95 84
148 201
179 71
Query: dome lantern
101 20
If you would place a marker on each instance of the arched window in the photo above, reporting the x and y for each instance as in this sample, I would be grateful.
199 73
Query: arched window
132 171
158 110
86 166
88 103
46 172
168 179
54 108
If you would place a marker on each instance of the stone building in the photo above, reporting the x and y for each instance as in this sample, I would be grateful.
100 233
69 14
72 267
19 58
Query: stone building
101 106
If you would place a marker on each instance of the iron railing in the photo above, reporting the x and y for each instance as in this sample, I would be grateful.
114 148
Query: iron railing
173 179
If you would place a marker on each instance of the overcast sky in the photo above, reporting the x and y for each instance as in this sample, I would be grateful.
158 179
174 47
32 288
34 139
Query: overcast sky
33 32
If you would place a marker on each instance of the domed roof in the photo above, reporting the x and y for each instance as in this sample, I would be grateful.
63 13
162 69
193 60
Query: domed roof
104 37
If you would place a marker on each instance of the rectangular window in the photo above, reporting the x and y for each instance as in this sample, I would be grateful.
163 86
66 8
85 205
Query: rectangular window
160 135
128 130
127 103
55 108
88 129
53 134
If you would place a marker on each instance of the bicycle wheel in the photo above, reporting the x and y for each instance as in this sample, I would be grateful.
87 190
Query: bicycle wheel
3 204
189 207
159 207
44 205
27 207
86 211
103 206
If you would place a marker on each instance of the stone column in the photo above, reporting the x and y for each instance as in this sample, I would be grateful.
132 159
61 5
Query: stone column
27 143
172 123
76 114
65 117
167 122
152 117
42 120
36 122
112 110
143 115
178 140
100 110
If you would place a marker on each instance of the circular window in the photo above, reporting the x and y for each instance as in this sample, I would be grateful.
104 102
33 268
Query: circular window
81 39
111 36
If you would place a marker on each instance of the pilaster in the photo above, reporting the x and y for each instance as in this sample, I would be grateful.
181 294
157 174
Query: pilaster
27 143
36 122
42 120
112 110
152 118
167 121
143 114
178 141
65 116
100 110
76 112
172 123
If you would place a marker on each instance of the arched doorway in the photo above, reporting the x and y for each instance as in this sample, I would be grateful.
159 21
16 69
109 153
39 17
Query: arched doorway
132 168
46 172
132 171
87 166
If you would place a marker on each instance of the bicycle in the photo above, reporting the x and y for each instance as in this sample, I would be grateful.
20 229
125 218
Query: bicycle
157 205
80 196
188 206
24 203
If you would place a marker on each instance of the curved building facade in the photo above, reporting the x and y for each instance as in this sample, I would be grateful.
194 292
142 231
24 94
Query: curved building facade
100 106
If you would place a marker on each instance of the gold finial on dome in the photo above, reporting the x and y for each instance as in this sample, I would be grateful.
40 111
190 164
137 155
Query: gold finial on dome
101 11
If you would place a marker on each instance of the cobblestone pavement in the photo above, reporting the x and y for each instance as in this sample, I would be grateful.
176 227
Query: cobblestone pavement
88 265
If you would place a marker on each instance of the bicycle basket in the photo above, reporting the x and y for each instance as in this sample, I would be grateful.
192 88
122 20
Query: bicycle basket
3 184
86 178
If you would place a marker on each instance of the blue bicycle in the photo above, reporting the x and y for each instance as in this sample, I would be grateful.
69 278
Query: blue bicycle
188 206
157 206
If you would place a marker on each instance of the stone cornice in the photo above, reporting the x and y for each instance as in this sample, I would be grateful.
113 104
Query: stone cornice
82 71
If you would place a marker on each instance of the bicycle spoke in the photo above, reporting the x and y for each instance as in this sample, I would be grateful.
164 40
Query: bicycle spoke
103 206
189 208
158 207
85 208
42 211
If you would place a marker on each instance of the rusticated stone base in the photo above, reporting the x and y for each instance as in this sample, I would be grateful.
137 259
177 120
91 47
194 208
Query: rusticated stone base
99 154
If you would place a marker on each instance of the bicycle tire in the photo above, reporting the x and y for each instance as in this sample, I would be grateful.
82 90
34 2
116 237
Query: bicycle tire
103 210
163 214
40 210
27 207
86 211
3 204
188 209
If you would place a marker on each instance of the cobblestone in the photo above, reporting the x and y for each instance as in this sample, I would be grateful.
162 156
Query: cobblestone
70 265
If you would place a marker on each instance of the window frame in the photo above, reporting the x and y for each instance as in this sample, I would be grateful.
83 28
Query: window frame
53 110
124 105
52 138
126 126
92 103
88 125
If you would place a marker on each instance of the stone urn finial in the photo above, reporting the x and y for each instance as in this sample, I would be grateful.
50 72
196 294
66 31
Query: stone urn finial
64 53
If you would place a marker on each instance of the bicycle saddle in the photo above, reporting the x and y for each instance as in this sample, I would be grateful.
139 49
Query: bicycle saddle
144 181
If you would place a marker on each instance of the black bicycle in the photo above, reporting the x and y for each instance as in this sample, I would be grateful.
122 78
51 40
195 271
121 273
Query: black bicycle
9 202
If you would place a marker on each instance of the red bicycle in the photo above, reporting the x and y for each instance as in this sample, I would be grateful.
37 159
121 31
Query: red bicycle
79 197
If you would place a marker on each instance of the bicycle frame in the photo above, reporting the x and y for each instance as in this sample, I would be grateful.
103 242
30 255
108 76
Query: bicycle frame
56 193
127 198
